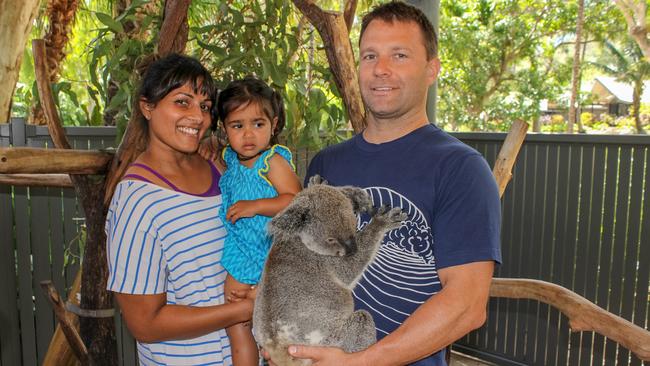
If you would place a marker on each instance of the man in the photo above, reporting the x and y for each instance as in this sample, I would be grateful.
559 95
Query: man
429 284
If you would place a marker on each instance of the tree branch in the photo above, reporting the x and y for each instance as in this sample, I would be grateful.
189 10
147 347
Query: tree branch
583 315
348 13
54 125
174 29
333 30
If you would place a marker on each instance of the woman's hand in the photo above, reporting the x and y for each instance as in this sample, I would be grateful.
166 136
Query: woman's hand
243 208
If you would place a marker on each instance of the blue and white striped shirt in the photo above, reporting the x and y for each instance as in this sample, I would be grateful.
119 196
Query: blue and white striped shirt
164 241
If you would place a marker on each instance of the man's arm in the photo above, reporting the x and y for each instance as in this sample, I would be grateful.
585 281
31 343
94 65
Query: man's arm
447 316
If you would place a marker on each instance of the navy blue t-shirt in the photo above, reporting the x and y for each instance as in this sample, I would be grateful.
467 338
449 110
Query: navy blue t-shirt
452 201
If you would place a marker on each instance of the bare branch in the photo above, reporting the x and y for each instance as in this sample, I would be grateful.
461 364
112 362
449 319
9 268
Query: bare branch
334 32
54 125
16 160
348 13
583 315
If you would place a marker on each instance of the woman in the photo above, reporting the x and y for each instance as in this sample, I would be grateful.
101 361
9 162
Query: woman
164 235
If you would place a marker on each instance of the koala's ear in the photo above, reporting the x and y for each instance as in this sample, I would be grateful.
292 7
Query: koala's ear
289 221
361 201
316 179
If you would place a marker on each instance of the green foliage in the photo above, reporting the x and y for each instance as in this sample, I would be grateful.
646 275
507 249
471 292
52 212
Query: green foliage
266 38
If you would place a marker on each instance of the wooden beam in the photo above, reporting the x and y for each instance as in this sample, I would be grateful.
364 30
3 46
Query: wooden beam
583 315
508 155
37 180
16 160
67 324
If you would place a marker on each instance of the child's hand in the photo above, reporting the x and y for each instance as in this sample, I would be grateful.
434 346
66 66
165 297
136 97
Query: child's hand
240 295
208 148
239 209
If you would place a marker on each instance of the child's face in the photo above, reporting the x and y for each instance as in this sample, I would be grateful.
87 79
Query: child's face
249 129
179 120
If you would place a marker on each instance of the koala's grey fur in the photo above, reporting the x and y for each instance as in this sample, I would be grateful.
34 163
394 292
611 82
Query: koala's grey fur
317 257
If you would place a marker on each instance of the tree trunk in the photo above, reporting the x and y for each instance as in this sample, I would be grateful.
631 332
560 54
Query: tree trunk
98 334
575 78
15 24
636 104
333 30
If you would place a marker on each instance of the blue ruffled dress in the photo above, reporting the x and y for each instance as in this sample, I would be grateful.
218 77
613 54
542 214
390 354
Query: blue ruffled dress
247 243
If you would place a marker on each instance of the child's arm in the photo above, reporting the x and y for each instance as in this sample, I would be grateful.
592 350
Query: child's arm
284 180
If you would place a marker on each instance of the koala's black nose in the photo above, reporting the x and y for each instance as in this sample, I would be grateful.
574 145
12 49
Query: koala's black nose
350 246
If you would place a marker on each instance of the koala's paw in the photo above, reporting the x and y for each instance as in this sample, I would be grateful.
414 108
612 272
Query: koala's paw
316 179
391 218
361 201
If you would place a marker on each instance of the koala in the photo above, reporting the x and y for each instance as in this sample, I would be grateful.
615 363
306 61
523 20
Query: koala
316 259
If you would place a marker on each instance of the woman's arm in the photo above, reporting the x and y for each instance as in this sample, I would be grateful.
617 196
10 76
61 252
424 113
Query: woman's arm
151 319
284 180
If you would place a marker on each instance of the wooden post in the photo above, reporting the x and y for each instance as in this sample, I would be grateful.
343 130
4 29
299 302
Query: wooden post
67 325
59 353
508 155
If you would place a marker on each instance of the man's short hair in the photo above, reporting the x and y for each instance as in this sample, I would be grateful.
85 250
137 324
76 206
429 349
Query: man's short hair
402 12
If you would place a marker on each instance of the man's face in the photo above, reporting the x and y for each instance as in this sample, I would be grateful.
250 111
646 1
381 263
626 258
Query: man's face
394 73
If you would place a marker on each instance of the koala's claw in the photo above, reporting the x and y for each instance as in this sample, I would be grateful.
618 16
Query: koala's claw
393 217
316 179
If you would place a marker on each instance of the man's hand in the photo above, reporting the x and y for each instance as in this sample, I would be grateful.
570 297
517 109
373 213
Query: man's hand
243 208
327 356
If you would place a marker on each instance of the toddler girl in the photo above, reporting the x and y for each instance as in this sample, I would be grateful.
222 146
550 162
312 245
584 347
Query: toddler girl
259 181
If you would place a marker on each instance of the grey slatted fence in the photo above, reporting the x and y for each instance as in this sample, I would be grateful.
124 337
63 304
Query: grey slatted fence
577 213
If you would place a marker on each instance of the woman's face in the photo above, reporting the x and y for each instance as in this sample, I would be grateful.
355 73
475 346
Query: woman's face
179 120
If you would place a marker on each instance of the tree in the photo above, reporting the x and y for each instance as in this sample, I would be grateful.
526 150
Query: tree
15 25
575 76
628 64
498 60
635 13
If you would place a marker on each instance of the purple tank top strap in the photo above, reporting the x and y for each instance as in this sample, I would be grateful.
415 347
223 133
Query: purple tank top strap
160 176
137 176
214 187
212 191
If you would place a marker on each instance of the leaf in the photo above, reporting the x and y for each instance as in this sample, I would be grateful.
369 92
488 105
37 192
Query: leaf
217 51
111 23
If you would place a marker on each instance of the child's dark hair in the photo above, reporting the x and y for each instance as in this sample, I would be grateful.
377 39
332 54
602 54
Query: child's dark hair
170 72
252 90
